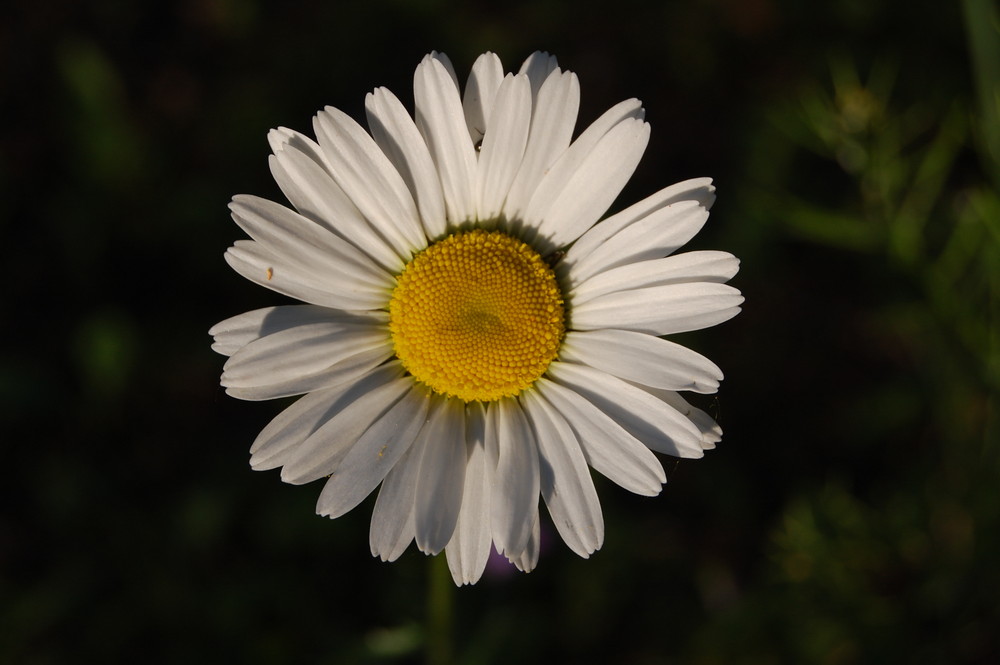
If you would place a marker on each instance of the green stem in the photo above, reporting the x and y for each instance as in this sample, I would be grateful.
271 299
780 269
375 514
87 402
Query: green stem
440 612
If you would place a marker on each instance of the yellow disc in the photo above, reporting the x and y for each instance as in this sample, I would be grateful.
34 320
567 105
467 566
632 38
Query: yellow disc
478 316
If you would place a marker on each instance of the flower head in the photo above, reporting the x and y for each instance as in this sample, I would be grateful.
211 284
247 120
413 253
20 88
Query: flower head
474 336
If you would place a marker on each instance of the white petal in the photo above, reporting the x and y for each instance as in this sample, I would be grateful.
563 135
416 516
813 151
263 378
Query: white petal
370 180
699 190
347 369
392 526
552 122
657 235
375 453
711 433
661 310
537 67
277 443
445 61
361 413
652 421
311 255
395 132
595 184
294 236
503 145
236 332
480 91
300 351
611 450
562 171
283 138
308 185
516 483
566 484
643 358
260 266
527 559
700 266
441 121
470 545
442 475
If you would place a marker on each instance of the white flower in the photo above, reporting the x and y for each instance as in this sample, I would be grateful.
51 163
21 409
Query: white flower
473 338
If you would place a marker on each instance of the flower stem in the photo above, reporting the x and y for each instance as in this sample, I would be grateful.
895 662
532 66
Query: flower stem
440 612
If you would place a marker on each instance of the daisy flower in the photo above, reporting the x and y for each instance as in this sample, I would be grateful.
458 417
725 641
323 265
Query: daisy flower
473 336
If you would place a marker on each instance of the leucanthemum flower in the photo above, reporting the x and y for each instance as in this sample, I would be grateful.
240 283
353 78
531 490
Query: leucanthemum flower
473 337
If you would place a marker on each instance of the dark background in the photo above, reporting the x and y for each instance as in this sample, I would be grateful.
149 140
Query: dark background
850 514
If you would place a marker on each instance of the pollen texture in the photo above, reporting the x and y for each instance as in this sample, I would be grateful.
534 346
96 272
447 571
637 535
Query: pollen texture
478 316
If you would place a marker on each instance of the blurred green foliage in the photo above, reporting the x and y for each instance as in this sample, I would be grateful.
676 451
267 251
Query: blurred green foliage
850 514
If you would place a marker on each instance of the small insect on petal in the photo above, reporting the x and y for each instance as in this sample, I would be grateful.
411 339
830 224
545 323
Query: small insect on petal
270 273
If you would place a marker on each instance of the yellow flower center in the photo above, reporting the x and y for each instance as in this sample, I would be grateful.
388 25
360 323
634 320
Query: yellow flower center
477 316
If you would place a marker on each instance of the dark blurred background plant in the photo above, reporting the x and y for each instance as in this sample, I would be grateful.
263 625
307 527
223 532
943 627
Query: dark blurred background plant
851 514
